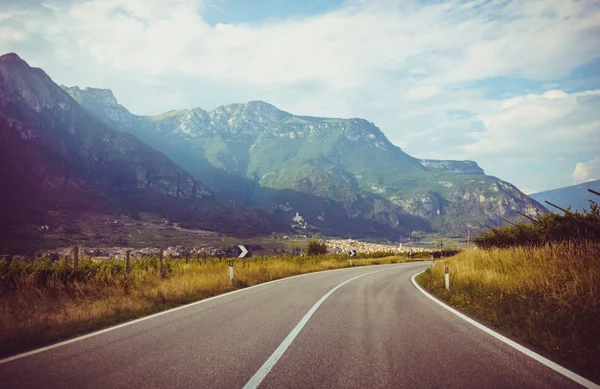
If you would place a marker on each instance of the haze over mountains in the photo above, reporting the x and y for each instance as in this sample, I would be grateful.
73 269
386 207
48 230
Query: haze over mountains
81 150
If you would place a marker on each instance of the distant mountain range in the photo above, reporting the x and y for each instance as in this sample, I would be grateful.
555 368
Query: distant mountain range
342 175
240 168
576 196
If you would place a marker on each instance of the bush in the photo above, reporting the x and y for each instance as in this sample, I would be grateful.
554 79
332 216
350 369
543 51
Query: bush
316 248
548 228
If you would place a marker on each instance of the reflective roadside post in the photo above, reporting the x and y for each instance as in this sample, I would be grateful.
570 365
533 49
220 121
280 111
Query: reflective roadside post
447 277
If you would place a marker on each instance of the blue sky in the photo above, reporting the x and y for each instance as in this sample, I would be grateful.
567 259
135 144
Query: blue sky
513 85
258 12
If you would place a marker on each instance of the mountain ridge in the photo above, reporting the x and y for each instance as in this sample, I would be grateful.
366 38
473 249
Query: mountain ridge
349 161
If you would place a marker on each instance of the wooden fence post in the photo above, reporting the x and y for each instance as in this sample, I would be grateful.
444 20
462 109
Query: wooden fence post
75 258
160 257
127 264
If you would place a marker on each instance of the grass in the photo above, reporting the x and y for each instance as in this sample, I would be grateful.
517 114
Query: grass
547 296
42 302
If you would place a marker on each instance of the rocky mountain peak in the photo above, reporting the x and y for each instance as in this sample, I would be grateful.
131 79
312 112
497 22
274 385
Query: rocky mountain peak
454 167
252 111
104 97
10 57
261 106
20 82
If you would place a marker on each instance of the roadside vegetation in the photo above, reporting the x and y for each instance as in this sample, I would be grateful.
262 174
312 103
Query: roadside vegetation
538 282
45 301
316 248
551 227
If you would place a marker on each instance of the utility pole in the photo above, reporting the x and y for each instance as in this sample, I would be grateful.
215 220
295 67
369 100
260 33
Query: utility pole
441 248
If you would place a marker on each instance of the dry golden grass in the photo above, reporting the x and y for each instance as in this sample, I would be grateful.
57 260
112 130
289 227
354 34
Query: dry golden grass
548 296
34 313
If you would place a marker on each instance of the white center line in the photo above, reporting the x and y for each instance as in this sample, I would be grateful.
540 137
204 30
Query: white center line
260 375
116 327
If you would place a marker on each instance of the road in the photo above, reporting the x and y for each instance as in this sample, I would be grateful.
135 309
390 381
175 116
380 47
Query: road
376 331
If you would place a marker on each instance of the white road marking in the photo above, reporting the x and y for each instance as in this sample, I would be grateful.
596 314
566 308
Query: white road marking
260 375
116 327
544 361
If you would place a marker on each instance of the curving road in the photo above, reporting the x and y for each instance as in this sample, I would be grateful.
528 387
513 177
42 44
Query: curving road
375 331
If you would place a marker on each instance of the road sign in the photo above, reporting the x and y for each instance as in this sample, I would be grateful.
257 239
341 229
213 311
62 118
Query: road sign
352 253
244 251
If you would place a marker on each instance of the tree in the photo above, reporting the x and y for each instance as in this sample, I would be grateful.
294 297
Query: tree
316 248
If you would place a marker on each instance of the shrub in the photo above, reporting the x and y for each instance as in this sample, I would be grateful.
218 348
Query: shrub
546 229
316 248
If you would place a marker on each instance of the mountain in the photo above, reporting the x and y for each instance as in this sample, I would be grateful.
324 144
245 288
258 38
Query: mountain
576 196
57 157
343 176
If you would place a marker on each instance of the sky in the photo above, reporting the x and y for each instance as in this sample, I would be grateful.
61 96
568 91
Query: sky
512 85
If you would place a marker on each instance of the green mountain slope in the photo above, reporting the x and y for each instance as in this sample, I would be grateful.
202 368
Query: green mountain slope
342 175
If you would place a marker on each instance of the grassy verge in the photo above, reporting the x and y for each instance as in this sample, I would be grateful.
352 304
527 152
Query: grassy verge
44 302
549 297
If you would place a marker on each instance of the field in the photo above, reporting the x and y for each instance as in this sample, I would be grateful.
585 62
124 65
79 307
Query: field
548 296
44 301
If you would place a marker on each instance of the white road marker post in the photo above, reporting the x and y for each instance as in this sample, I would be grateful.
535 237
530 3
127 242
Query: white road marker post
231 271
447 277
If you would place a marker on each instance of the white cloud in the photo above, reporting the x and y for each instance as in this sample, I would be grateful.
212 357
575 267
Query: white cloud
357 45
531 140
529 125
423 92
587 171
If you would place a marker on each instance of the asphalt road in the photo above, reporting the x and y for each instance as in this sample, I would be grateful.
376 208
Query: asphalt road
376 331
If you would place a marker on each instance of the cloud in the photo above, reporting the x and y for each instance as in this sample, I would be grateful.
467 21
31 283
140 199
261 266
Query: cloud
530 139
402 64
451 42
587 171
537 125
423 92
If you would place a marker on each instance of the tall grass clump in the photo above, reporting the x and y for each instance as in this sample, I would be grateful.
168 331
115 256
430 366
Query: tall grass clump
44 301
548 296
